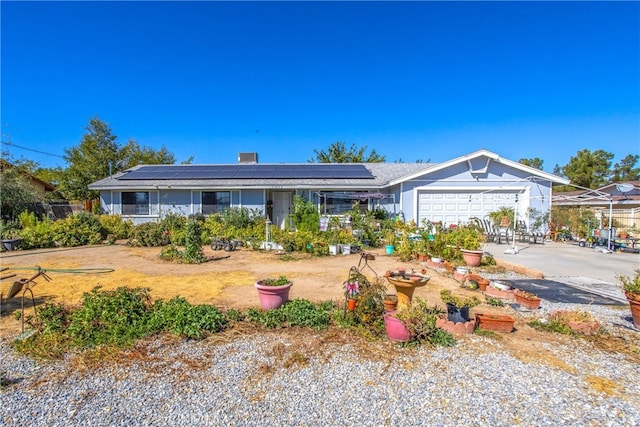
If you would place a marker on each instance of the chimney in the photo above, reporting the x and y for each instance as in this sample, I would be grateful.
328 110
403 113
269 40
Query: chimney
247 157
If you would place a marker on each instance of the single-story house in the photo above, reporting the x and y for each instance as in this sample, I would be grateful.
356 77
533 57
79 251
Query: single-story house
450 192
41 187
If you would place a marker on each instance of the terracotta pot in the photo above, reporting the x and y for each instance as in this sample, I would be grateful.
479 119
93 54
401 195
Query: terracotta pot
472 258
396 330
481 281
495 322
528 303
634 306
272 296
456 328
351 304
497 293
390 302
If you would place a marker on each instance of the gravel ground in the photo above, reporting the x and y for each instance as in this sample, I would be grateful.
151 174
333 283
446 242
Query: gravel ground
262 380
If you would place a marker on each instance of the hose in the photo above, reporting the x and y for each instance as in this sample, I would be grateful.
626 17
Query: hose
96 270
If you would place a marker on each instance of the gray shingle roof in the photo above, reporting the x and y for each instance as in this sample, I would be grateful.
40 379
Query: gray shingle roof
383 174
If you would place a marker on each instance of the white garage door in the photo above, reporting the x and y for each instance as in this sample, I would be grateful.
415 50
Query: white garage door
452 207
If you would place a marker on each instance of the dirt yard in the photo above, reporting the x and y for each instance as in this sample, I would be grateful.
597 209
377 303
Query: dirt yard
227 281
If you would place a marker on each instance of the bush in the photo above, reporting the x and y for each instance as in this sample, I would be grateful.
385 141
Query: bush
149 234
38 236
421 322
116 226
179 317
175 226
77 230
193 253
117 317
297 312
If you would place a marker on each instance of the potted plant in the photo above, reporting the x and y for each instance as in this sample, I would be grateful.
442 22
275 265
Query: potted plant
417 324
469 239
631 286
527 299
390 241
273 291
458 306
351 291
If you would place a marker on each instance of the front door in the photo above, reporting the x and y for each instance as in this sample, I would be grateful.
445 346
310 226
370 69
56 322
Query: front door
281 207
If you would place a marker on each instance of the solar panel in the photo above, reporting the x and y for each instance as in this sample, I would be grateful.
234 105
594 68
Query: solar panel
253 171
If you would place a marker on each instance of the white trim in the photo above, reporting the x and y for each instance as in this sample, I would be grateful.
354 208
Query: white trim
478 171
492 156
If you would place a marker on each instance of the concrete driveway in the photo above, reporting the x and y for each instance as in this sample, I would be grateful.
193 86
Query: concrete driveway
582 268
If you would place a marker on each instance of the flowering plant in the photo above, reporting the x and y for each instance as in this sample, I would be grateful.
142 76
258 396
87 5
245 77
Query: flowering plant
352 288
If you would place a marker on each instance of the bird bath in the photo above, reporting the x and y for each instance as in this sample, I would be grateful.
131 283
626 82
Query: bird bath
405 283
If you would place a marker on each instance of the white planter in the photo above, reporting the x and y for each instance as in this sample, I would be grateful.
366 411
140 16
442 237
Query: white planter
333 249
501 285
346 249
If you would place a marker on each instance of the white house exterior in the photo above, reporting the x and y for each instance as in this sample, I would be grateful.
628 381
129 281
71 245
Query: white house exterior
450 192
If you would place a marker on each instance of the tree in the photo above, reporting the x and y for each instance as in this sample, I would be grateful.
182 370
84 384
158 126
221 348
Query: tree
536 162
625 170
337 153
17 193
589 169
97 155
133 154
89 161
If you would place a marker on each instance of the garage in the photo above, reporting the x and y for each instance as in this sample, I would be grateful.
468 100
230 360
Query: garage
454 206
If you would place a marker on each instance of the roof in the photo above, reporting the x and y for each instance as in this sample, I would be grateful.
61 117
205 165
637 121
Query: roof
603 195
261 175
299 175
47 186
490 156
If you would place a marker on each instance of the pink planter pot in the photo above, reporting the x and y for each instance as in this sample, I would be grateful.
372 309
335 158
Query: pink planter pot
396 330
272 296
472 258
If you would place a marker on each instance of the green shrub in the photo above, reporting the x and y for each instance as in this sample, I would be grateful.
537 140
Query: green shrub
305 215
79 229
297 312
170 253
116 317
38 236
116 226
149 234
420 319
175 225
193 253
181 318
52 318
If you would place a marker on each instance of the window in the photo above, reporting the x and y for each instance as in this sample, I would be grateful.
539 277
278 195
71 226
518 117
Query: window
215 201
135 203
338 203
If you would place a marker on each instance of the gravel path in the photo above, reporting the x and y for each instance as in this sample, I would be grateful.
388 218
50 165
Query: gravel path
262 380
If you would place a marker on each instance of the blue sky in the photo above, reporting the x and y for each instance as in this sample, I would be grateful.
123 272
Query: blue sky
412 80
